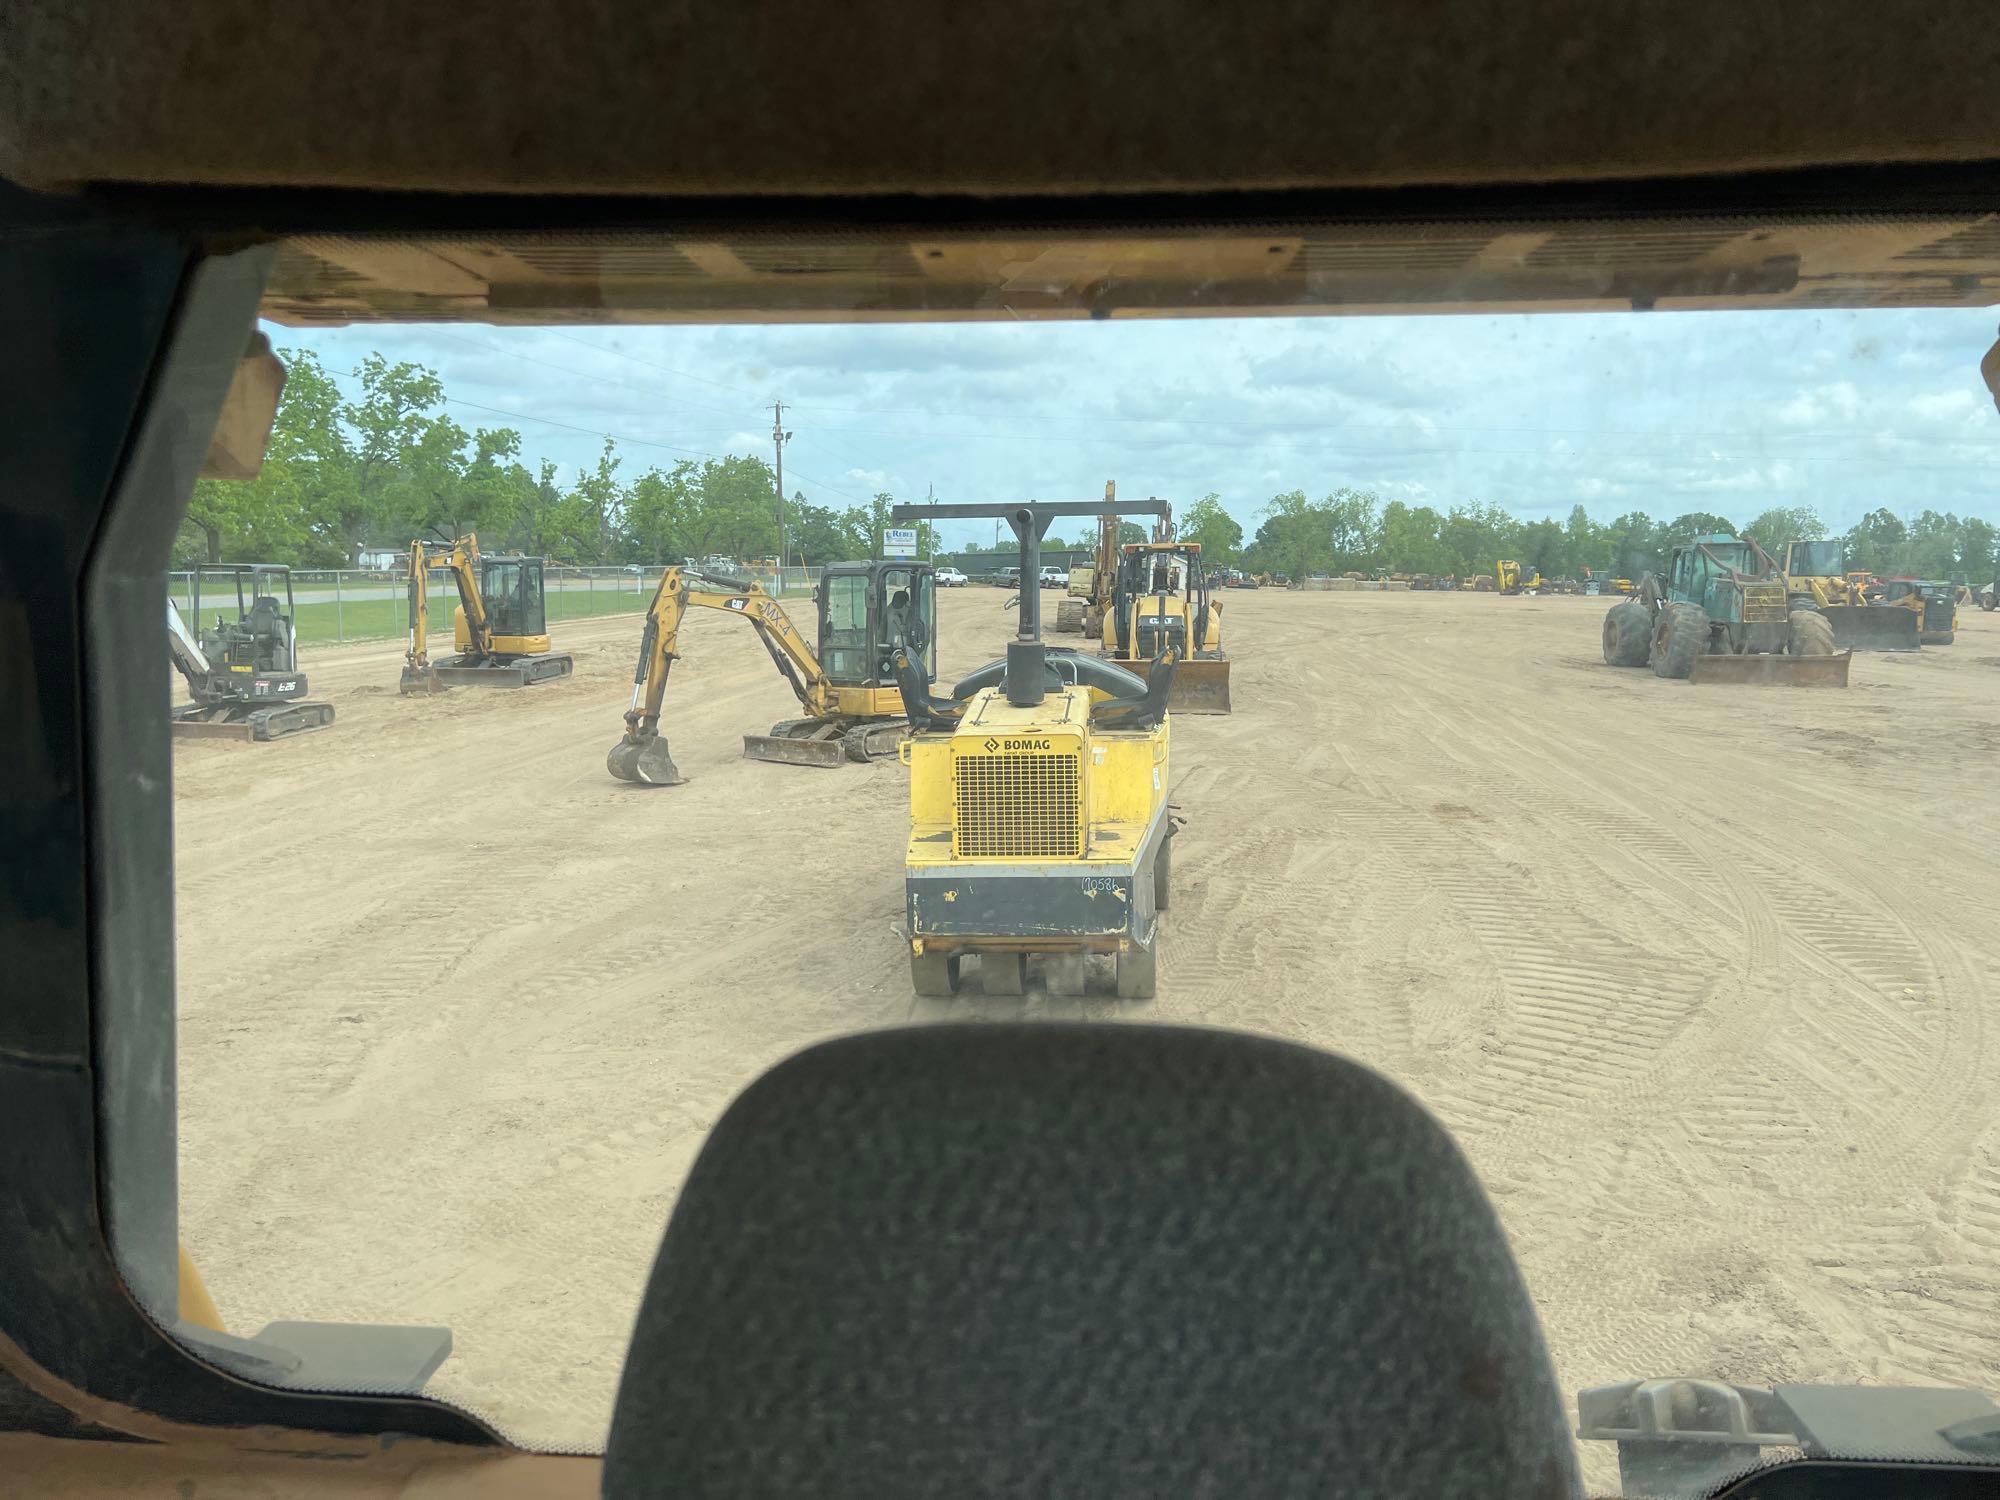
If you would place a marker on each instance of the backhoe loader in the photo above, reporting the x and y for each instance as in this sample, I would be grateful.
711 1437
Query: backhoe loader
1093 588
1038 800
848 687
1815 579
1721 613
1161 600
499 628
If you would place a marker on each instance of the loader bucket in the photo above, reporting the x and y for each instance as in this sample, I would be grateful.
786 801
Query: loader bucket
1785 671
1201 686
794 750
644 762
1873 627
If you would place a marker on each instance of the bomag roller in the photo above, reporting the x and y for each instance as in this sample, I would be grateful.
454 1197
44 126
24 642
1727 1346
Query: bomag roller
1721 613
1038 803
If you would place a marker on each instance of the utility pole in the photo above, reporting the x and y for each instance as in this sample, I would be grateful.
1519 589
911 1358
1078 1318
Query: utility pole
779 437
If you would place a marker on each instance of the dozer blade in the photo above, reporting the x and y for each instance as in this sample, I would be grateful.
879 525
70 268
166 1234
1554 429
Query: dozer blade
1201 686
793 750
1873 627
519 672
1786 671
644 762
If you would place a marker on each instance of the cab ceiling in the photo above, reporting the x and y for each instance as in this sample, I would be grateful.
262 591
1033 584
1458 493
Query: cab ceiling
1245 270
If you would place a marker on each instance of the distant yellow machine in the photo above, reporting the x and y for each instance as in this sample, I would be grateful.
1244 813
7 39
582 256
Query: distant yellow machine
1161 602
1814 580
1509 577
848 687
499 630
1931 602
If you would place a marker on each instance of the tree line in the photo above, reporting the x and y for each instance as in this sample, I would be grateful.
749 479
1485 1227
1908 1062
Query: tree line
390 464
1354 530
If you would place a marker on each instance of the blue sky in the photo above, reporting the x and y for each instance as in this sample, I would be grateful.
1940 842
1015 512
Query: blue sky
1661 412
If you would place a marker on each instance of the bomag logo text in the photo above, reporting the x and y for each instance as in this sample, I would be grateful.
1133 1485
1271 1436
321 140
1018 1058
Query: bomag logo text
1027 744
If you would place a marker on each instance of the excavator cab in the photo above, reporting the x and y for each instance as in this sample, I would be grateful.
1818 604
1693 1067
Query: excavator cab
866 610
512 590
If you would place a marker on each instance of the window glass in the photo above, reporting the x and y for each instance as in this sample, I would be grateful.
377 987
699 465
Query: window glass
457 1009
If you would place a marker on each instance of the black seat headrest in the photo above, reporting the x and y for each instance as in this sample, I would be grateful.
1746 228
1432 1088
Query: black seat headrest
1083 1260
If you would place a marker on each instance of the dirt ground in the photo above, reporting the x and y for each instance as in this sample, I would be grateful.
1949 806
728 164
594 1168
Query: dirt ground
1698 976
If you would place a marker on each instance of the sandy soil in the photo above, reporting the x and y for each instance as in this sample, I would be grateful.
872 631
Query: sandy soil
1699 977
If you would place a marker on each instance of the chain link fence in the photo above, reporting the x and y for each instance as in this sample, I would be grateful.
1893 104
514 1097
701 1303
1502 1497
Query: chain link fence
354 605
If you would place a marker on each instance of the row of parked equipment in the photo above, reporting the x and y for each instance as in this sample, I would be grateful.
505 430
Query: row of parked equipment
1038 814
1038 791
1725 610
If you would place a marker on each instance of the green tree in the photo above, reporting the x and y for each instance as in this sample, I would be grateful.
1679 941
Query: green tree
1413 540
308 476
1695 523
1633 545
1219 533
1786 523
1877 542
1131 532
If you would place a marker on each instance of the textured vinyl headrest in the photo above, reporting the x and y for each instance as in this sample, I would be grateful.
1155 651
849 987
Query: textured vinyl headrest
1084 1260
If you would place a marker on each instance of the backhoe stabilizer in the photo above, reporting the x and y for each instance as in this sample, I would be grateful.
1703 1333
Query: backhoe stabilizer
644 760
1774 669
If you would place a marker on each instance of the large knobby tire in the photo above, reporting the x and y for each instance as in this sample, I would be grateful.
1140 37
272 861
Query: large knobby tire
1811 634
1680 636
1628 635
1989 599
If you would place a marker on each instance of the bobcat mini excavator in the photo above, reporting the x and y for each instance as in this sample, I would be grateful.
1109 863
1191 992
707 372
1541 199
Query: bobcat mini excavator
243 673
500 628
848 687
1038 801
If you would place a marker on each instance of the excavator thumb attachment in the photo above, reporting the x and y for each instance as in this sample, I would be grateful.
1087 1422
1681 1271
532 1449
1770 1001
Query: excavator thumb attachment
799 742
1786 671
644 761
1873 627
1201 686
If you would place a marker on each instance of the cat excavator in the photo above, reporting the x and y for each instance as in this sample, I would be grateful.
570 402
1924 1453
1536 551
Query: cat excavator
847 687
500 629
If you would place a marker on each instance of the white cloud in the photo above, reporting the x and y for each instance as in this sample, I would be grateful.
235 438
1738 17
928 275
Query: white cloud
1666 413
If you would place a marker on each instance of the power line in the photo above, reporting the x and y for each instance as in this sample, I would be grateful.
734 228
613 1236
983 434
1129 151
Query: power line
655 365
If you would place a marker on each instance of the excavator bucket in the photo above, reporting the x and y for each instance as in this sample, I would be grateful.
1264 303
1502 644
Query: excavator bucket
1787 671
1201 686
644 762
1873 627
420 680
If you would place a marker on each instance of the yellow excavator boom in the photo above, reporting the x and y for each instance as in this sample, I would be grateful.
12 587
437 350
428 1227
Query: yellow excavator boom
642 755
